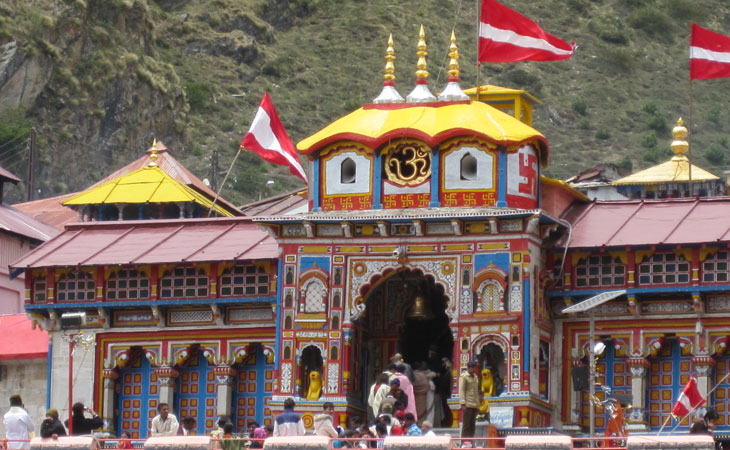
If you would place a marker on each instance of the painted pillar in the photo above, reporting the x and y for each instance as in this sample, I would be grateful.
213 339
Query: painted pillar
166 377
224 376
107 405
346 356
702 366
631 268
636 416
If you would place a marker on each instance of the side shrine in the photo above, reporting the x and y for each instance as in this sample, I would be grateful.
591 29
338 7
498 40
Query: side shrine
431 232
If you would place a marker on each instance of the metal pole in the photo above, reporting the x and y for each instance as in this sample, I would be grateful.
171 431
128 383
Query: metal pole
592 379
70 385
479 25
30 165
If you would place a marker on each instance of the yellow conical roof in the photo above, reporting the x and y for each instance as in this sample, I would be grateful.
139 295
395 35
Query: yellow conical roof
675 170
146 185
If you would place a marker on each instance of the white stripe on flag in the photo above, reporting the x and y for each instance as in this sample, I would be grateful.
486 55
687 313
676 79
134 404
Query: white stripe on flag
703 53
510 37
264 134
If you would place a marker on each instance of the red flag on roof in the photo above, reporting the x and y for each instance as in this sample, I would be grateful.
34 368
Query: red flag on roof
689 399
709 54
267 138
506 36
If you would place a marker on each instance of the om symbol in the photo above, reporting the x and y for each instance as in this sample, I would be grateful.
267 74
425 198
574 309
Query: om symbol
408 163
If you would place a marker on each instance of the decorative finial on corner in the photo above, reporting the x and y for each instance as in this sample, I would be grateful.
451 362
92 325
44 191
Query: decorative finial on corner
421 93
153 154
421 73
452 91
389 94
680 146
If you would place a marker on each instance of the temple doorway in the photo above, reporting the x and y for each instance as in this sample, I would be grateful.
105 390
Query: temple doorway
406 314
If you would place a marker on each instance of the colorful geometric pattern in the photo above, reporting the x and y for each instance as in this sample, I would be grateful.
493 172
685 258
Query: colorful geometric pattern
668 374
722 391
255 382
196 394
138 393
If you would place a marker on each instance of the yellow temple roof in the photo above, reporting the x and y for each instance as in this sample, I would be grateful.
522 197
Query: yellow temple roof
375 124
675 170
486 90
149 184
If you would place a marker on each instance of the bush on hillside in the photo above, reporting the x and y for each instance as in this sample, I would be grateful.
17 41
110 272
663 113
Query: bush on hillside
715 153
580 106
197 94
653 22
609 29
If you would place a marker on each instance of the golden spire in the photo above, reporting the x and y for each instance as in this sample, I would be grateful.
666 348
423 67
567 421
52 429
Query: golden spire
421 73
452 91
153 154
389 57
454 61
679 145
389 94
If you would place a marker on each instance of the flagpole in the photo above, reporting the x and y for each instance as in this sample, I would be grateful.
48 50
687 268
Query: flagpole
217 194
689 149
708 396
479 22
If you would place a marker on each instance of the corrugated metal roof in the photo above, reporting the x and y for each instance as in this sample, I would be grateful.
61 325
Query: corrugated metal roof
649 222
20 340
50 210
17 222
292 202
153 242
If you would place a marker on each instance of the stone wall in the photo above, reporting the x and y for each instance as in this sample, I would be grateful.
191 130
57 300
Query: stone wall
26 377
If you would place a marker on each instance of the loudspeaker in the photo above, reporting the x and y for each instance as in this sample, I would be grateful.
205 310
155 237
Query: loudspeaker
580 377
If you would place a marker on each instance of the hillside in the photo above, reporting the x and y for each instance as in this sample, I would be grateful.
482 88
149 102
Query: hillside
100 79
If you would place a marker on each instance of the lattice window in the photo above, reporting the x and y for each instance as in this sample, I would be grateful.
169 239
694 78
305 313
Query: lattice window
663 268
315 295
127 284
491 296
184 282
598 271
39 289
244 280
715 267
76 286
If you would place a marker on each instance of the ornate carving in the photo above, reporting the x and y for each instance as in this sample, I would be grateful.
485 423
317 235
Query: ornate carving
638 366
667 307
285 378
333 373
515 298
408 163
466 302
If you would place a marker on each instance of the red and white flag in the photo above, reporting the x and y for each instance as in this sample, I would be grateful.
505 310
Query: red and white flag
267 138
506 36
689 399
709 54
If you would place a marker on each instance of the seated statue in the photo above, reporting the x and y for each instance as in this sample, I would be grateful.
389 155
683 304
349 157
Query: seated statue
487 389
315 385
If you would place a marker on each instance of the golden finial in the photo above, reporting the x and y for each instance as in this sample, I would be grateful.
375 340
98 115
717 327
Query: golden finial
454 61
679 133
388 94
153 154
421 73
389 57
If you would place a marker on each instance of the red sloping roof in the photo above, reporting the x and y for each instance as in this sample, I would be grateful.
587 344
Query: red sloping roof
281 204
153 242
17 222
649 222
50 210
20 340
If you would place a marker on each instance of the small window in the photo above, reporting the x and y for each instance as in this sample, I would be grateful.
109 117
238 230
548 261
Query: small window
76 286
348 171
468 168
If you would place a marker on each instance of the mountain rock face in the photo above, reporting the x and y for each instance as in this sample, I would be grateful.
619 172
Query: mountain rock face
100 79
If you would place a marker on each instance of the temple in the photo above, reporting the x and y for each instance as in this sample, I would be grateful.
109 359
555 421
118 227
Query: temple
430 231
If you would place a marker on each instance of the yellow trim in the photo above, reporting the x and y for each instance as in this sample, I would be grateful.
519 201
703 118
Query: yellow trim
622 255
351 249
456 247
707 251
640 254
314 249
493 245
576 256
422 248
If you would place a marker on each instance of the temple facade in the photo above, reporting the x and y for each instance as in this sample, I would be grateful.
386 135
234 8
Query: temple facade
431 232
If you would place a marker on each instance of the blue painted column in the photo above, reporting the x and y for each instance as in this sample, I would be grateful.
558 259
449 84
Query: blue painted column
435 178
502 177
377 181
314 187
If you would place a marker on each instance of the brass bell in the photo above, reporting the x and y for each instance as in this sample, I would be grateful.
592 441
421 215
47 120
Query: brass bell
420 309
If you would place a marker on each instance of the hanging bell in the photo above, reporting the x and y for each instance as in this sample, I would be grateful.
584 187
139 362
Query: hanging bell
420 309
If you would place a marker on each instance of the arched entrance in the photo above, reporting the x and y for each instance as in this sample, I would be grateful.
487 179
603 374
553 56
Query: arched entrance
406 313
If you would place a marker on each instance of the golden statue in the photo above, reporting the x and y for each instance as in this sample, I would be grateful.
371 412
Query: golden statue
315 386
487 390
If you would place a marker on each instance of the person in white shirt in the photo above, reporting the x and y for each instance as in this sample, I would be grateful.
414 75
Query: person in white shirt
164 423
18 425
427 428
